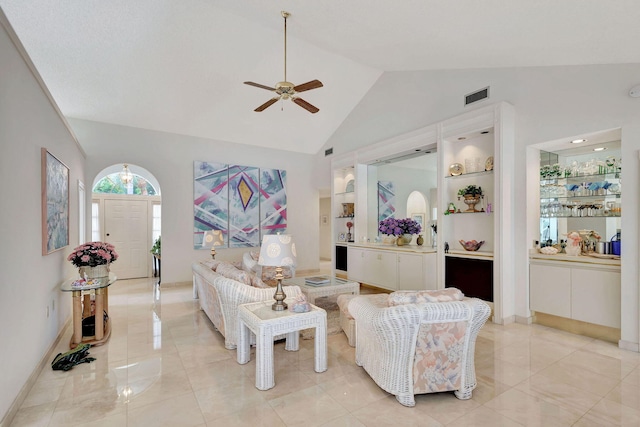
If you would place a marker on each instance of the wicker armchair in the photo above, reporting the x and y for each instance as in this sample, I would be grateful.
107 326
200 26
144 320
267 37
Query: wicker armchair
410 349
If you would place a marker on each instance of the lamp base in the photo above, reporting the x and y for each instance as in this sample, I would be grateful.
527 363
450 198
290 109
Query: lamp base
279 296
213 253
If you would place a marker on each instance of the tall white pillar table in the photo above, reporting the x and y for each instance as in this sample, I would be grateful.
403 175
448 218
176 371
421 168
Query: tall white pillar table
266 324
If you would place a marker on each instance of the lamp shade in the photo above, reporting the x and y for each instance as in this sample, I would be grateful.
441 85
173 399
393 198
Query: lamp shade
212 238
277 250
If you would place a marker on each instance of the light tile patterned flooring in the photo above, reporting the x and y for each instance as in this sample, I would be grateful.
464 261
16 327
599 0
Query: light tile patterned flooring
165 365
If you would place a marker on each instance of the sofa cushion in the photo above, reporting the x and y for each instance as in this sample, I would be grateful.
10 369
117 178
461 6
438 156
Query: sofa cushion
257 282
229 271
212 264
419 297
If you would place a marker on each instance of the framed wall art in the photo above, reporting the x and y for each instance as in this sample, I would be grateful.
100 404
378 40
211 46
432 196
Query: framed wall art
55 203
419 218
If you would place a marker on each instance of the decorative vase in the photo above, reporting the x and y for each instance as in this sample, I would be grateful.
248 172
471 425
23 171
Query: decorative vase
420 240
399 241
94 272
471 201
348 237
407 238
573 250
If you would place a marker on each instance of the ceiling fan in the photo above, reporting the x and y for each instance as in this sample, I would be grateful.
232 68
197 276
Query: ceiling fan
287 90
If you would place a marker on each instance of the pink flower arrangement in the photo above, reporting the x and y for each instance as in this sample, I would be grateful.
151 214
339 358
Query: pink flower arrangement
93 253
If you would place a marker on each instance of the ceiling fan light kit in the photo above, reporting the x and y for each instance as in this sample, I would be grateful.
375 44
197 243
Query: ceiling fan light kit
287 90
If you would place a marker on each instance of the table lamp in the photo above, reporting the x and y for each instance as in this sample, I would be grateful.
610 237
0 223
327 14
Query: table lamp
278 250
211 239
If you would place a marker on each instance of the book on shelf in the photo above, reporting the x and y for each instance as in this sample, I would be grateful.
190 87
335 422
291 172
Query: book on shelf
317 280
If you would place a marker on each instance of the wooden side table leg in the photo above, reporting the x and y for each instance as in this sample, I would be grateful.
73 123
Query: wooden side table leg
99 319
77 318
86 306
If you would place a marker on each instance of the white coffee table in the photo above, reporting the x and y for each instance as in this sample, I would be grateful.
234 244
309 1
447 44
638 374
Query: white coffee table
266 323
335 286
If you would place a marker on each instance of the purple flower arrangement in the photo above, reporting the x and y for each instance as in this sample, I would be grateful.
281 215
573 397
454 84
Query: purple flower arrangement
93 253
397 227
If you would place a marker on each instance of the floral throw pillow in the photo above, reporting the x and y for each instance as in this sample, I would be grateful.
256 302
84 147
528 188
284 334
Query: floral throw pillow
229 271
212 264
419 297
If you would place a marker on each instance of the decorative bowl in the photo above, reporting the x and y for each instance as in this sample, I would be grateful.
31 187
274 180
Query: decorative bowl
548 250
471 245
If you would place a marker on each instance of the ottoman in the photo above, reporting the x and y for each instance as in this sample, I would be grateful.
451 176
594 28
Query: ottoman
347 322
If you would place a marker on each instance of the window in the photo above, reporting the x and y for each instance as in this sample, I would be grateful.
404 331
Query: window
95 221
155 227
113 184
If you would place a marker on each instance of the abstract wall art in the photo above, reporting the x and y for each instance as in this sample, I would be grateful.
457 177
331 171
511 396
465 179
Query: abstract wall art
244 202
55 203
386 200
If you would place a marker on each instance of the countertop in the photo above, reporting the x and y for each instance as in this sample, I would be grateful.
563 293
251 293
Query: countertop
584 259
391 247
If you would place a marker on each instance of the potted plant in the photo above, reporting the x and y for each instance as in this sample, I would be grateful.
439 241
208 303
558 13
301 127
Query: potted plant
93 259
156 248
401 228
472 195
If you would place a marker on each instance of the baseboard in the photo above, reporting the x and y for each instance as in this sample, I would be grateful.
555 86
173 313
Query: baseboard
578 327
627 345
26 388
524 320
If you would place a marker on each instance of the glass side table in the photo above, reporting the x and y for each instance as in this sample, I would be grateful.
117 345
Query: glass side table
81 297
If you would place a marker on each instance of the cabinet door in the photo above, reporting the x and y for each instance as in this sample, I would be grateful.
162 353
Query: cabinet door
356 264
410 272
380 269
550 289
595 296
430 264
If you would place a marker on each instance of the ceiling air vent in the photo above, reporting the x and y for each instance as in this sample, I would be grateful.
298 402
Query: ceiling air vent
328 152
476 96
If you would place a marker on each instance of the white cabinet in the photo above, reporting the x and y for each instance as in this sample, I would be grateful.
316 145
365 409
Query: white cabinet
391 269
411 272
579 291
550 290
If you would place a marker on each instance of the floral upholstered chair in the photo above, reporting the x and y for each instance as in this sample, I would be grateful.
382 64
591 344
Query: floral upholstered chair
421 342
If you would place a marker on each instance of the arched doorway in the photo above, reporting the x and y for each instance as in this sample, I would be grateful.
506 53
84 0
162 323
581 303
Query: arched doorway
126 210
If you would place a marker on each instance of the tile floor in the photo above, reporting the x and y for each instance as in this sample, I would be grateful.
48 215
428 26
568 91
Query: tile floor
165 365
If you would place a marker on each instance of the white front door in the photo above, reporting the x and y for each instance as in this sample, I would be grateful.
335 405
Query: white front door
125 227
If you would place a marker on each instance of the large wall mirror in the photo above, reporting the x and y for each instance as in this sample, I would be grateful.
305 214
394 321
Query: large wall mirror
403 187
581 188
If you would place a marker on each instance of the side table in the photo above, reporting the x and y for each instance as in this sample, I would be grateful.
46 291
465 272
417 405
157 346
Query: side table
266 323
101 291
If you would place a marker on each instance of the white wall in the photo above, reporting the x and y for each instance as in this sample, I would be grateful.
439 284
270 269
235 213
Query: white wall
325 229
550 103
29 281
170 158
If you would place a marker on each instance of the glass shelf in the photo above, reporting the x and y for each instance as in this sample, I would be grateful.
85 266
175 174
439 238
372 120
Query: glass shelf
605 198
581 178
345 217
344 193
469 175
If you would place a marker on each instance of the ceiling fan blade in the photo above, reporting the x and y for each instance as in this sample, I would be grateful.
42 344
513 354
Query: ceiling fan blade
260 86
304 104
313 84
267 104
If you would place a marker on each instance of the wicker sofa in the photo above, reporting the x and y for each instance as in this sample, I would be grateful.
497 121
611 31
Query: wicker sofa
412 346
220 296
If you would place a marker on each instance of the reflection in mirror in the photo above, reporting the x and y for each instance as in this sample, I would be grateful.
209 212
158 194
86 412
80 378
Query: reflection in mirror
403 187
580 191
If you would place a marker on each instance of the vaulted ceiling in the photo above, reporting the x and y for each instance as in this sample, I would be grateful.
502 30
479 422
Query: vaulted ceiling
179 66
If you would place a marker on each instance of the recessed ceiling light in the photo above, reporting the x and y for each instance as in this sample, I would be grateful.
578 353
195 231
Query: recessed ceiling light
599 149
578 141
